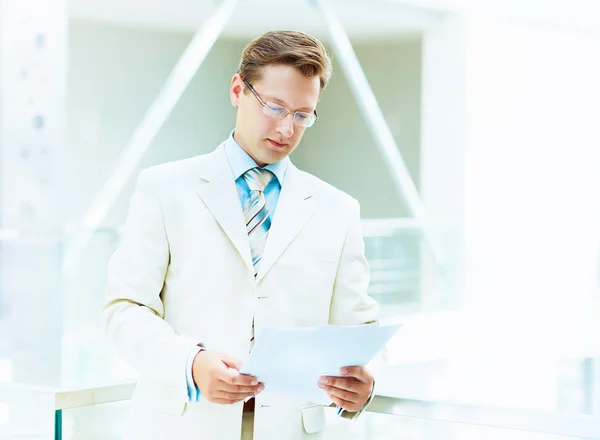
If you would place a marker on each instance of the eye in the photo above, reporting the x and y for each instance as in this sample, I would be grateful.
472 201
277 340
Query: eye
275 110
302 116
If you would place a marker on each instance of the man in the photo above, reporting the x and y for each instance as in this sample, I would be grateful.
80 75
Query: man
220 246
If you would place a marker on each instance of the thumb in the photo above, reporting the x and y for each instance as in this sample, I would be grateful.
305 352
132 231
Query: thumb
231 362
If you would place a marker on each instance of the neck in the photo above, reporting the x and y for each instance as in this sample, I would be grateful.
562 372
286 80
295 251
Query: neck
242 144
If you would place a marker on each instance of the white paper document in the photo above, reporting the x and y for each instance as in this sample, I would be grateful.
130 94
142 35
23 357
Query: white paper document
291 361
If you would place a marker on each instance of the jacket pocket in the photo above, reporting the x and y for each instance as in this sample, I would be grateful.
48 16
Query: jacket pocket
313 418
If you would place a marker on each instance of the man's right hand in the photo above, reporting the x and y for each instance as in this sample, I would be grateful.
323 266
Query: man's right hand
218 378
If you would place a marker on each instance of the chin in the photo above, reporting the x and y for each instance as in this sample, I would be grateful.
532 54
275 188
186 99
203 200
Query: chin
278 155
272 158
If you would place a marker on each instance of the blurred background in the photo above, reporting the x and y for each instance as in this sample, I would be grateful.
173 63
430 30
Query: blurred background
475 127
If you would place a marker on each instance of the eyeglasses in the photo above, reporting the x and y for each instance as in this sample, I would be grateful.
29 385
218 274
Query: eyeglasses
276 111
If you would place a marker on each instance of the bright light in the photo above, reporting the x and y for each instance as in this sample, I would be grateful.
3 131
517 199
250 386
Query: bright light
4 413
9 234
6 370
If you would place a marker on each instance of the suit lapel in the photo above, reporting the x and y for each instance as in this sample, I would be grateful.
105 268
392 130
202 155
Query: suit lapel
294 210
218 192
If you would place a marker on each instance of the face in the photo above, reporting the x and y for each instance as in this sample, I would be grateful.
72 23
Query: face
269 140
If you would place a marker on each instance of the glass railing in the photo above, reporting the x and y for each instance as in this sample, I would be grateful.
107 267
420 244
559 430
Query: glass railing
99 412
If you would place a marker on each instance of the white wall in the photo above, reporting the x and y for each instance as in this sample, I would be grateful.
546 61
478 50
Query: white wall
443 144
523 137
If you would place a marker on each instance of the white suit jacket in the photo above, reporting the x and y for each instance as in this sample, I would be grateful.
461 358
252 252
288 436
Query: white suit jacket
183 275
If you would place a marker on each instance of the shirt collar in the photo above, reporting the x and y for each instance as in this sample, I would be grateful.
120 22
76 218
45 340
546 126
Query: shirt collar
241 162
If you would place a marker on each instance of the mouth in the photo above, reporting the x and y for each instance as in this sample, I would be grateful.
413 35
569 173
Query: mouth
276 144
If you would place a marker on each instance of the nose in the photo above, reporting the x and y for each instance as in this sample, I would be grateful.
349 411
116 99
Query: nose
286 126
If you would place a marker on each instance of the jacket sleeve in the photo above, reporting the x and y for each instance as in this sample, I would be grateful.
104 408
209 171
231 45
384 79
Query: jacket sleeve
133 310
351 305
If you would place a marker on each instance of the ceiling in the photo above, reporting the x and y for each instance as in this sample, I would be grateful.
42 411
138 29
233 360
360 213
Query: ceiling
361 18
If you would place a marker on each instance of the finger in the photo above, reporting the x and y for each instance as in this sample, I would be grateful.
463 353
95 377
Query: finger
349 396
233 377
344 383
219 395
224 401
345 404
230 397
357 372
232 362
244 379
233 388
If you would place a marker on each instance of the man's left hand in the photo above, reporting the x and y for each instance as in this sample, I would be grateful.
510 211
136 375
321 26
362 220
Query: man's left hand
350 391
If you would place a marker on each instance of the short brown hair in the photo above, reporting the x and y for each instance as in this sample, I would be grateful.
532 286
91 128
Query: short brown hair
305 53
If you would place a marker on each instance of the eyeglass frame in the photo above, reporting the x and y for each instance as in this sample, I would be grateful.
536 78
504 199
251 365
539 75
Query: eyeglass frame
313 113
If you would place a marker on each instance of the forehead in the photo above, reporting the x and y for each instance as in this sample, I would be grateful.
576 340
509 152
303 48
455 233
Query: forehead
290 87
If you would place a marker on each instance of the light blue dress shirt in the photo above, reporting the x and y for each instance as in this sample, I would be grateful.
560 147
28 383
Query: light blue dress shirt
241 162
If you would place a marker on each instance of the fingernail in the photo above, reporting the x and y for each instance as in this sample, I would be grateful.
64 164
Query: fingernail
344 371
323 380
254 382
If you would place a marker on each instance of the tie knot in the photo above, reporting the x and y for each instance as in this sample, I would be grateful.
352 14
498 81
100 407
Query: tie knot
258 178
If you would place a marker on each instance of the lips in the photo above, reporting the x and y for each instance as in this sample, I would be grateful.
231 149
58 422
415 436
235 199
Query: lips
276 144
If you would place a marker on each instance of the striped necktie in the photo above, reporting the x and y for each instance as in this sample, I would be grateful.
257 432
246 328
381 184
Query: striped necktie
256 213
257 218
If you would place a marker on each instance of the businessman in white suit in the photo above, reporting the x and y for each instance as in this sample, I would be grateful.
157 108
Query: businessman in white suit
220 246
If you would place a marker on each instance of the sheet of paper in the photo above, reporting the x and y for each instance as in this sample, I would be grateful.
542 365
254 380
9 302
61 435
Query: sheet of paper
291 361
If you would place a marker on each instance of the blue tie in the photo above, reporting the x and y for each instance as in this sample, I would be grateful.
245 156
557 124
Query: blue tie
257 218
256 213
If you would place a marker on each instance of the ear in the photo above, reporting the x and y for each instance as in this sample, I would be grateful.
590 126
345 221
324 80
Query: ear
236 89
